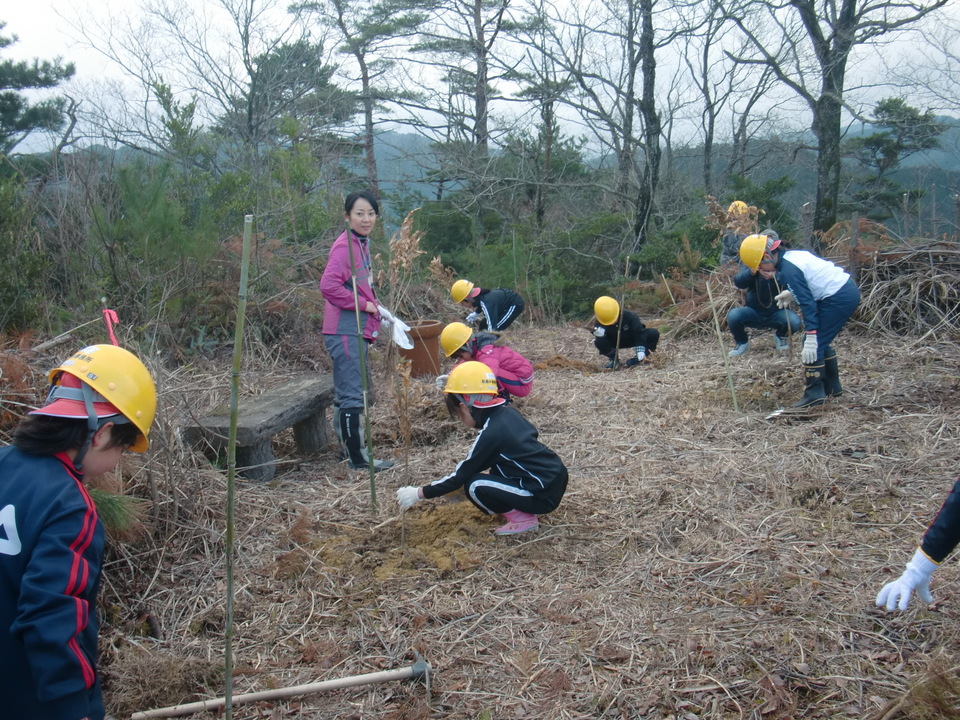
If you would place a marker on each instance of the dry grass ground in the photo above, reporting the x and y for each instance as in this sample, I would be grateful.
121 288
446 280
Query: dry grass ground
705 563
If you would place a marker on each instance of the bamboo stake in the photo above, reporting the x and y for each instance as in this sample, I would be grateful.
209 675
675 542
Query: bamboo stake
673 300
723 350
623 292
363 373
232 460
420 669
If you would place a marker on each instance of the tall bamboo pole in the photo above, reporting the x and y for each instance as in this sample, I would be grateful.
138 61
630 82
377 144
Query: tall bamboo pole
363 373
232 461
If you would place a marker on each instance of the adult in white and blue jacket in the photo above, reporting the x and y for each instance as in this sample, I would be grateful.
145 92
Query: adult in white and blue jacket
827 298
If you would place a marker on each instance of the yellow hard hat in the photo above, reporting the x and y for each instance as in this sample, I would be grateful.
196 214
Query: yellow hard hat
120 380
738 207
471 378
606 309
453 337
753 248
460 290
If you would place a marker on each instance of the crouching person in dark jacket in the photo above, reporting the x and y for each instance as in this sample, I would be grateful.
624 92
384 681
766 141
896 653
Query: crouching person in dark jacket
523 479
613 332
101 403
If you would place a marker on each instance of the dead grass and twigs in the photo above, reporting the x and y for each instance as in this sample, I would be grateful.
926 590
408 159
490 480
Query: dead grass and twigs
705 563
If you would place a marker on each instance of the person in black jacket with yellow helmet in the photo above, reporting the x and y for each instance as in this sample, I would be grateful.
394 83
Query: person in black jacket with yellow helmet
491 310
612 332
508 470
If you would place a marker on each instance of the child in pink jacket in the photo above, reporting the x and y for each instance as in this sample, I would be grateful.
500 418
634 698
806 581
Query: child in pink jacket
513 371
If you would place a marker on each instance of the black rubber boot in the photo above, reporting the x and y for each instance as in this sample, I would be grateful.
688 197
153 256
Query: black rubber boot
831 377
351 432
614 361
814 393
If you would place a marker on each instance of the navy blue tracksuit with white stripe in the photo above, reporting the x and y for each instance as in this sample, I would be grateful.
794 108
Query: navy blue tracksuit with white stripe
51 551
522 473
498 308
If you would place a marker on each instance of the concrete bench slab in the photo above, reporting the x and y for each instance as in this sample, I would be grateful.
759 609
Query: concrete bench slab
299 403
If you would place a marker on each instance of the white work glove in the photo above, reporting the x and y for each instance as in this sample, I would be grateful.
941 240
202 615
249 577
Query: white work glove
599 331
399 329
441 381
641 352
472 316
784 299
916 577
809 354
407 497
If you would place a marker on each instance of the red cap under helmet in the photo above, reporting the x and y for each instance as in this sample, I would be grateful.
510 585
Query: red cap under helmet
61 402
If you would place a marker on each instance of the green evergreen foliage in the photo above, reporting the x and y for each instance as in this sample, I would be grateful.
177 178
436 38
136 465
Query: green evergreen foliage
24 264
902 131
120 514
18 116
688 245
585 262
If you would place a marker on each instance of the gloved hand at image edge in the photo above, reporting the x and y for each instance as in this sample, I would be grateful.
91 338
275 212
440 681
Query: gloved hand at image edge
784 299
896 594
441 381
472 316
399 328
599 331
809 354
407 497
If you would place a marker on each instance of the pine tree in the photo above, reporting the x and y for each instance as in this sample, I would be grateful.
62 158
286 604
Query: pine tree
18 116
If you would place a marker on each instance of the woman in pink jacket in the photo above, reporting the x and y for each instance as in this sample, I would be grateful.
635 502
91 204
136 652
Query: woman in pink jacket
340 323
513 371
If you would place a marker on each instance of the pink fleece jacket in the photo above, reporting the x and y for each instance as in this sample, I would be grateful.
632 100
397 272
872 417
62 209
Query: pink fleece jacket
337 289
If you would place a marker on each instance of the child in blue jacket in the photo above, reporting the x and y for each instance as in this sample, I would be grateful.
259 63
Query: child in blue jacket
101 403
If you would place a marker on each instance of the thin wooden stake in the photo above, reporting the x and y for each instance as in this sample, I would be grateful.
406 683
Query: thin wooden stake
232 461
673 300
362 357
723 350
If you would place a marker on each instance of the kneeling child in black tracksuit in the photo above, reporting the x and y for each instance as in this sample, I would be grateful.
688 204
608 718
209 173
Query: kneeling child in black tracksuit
524 478
613 332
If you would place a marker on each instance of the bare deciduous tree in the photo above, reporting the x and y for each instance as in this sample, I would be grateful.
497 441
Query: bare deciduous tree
808 44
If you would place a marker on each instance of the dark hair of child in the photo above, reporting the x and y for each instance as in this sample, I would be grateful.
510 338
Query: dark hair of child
356 195
47 435
453 402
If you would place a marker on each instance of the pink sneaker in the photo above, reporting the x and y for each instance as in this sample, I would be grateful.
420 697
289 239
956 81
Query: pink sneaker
517 522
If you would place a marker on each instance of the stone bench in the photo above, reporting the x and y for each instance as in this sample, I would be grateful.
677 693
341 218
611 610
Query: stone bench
299 403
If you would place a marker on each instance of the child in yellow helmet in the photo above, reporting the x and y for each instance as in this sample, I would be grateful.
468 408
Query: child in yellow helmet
513 371
493 310
101 402
508 470
612 332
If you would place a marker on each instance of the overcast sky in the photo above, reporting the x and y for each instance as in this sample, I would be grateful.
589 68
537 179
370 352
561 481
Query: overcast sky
44 34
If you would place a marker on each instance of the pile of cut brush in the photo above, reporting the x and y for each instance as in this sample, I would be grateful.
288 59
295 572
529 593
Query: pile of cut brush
913 290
